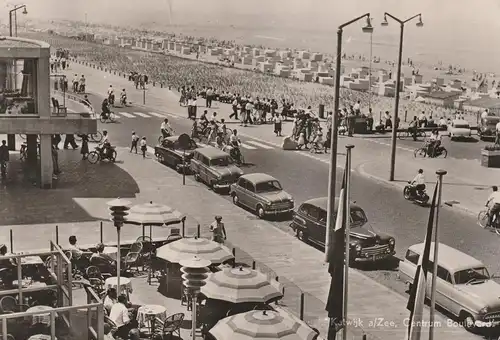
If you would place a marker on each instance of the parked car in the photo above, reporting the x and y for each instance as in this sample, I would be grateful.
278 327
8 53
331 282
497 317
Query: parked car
463 285
487 127
173 155
459 128
309 223
261 193
214 167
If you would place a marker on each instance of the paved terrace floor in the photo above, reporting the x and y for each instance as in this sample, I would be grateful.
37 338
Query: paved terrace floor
79 202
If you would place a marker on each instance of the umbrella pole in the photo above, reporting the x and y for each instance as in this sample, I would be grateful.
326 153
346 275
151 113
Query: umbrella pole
194 313
118 262
151 232
143 231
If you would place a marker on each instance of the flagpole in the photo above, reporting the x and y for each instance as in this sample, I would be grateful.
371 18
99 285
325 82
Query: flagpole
440 174
347 234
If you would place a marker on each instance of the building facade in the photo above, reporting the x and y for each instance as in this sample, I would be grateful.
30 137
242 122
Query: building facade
25 103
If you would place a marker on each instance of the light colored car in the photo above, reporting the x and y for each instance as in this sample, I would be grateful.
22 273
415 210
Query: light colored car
459 128
261 193
214 167
463 285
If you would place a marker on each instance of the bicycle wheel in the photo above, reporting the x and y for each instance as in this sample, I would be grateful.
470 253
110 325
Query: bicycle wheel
421 134
93 157
96 137
402 134
102 119
443 153
420 152
483 218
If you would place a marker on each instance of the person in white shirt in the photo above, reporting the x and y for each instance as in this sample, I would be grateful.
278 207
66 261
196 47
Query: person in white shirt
110 299
357 107
166 129
82 84
119 314
422 119
213 118
111 95
277 124
434 143
144 146
497 139
493 203
75 83
443 122
484 114
419 181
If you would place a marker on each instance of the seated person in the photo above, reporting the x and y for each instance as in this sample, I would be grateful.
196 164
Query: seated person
78 255
121 316
104 262
110 299
7 267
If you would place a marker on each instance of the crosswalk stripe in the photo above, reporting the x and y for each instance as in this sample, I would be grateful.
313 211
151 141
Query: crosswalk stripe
126 114
140 114
264 146
246 146
159 115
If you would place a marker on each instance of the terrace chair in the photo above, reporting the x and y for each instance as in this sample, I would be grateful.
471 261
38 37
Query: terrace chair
132 259
169 327
146 252
96 279
39 328
186 299
175 234
111 323
9 305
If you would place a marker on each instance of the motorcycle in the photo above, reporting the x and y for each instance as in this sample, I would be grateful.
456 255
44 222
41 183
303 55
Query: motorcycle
411 194
235 154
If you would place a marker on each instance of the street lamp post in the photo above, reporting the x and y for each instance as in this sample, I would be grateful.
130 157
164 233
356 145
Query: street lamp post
398 83
10 16
368 28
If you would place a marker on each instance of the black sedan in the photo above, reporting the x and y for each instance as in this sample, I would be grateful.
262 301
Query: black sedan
172 154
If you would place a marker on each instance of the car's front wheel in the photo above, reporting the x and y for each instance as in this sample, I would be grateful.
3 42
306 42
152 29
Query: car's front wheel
236 199
197 178
260 211
467 321
301 235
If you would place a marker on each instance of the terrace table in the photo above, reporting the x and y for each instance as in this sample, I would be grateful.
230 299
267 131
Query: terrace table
147 314
43 318
125 284
27 283
40 337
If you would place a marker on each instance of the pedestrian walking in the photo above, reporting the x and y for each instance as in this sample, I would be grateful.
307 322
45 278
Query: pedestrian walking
190 107
277 125
135 140
55 162
144 147
85 146
235 110
70 140
218 230
209 96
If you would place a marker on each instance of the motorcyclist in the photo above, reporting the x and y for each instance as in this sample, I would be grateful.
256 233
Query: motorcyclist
166 129
106 145
105 108
123 97
234 142
204 120
219 140
111 95
418 183
434 143
493 203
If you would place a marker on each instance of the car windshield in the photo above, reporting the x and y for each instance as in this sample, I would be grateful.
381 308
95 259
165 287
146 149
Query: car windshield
221 161
268 186
462 126
471 275
358 218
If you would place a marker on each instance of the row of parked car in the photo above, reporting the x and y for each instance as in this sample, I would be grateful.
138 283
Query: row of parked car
464 286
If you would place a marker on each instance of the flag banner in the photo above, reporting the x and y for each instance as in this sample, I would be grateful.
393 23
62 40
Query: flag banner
336 261
416 300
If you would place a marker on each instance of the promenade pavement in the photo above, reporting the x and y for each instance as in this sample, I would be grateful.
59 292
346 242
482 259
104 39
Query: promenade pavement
78 204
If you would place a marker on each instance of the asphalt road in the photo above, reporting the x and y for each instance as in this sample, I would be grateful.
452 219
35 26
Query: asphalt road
463 149
305 178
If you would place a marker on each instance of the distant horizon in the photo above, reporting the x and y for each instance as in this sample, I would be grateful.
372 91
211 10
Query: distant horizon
455 32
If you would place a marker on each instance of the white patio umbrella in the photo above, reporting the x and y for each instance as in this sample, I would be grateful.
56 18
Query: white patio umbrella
240 285
187 247
153 214
262 325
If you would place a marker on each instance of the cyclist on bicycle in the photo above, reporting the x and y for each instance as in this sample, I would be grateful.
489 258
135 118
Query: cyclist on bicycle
234 142
434 143
111 95
204 120
4 156
413 127
493 203
219 140
166 129
213 131
123 97
105 109
106 149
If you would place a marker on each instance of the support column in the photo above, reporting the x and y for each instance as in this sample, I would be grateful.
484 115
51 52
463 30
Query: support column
11 142
46 166
31 141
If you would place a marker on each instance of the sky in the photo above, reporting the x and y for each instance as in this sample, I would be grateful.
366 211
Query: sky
449 25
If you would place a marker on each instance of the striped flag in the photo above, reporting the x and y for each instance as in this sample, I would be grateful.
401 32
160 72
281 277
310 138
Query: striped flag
336 261
416 300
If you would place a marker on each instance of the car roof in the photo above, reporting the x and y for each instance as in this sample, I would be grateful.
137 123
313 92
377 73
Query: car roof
322 202
449 258
492 118
258 177
211 152
461 122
